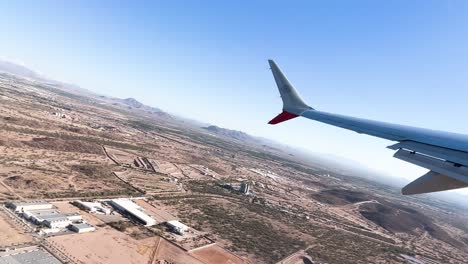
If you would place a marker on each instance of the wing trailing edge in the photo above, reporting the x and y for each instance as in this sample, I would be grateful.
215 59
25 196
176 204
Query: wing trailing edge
432 182
443 175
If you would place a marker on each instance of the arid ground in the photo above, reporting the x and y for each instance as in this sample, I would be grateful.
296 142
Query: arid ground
59 145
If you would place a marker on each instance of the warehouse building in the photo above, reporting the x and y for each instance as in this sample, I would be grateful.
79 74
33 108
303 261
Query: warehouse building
38 216
45 216
28 255
57 222
82 228
51 218
92 207
28 206
177 227
130 208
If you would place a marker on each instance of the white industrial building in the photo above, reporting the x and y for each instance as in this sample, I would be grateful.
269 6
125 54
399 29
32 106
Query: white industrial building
177 227
126 206
82 228
57 222
38 216
44 215
51 218
92 207
74 217
28 206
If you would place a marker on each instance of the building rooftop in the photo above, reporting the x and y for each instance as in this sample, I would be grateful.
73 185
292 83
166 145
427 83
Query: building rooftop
30 203
56 218
50 215
82 225
134 210
177 224
92 205
44 212
37 256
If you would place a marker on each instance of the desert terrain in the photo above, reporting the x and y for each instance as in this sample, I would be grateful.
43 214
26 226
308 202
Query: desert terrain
59 144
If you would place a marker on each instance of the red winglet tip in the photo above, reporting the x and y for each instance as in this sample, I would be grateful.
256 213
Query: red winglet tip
284 116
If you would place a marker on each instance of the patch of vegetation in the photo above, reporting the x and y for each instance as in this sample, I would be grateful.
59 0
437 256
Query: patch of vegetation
398 218
343 248
86 194
93 171
64 94
341 196
121 225
211 187
141 232
247 234
65 136
234 225
59 144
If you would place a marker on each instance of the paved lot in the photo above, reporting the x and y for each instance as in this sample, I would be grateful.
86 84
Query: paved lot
37 256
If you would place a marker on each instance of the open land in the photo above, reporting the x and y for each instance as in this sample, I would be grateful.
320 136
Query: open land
11 233
60 145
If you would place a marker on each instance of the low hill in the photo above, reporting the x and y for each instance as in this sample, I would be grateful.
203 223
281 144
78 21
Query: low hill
341 196
400 219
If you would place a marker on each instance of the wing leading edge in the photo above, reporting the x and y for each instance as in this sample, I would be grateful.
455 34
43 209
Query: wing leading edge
444 154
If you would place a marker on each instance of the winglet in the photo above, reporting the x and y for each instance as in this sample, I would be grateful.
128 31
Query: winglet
293 105
284 116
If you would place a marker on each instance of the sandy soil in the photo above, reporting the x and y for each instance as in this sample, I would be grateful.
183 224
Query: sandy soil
35 174
123 157
214 254
11 234
168 252
105 245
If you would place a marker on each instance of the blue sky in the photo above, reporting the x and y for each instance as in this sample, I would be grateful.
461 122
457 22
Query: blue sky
396 61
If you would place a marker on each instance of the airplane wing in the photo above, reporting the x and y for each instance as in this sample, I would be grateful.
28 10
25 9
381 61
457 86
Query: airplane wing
444 154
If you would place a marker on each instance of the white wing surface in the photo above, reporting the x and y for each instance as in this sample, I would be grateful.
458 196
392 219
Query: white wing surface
444 154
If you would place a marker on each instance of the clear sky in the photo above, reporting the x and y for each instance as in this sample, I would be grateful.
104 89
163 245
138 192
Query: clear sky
397 61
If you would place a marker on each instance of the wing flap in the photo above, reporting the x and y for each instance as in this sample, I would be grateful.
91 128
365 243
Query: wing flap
441 166
432 182
443 175
451 155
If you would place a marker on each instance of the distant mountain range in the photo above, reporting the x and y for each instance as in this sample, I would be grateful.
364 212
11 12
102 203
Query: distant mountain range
233 134
23 71
134 103
16 69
